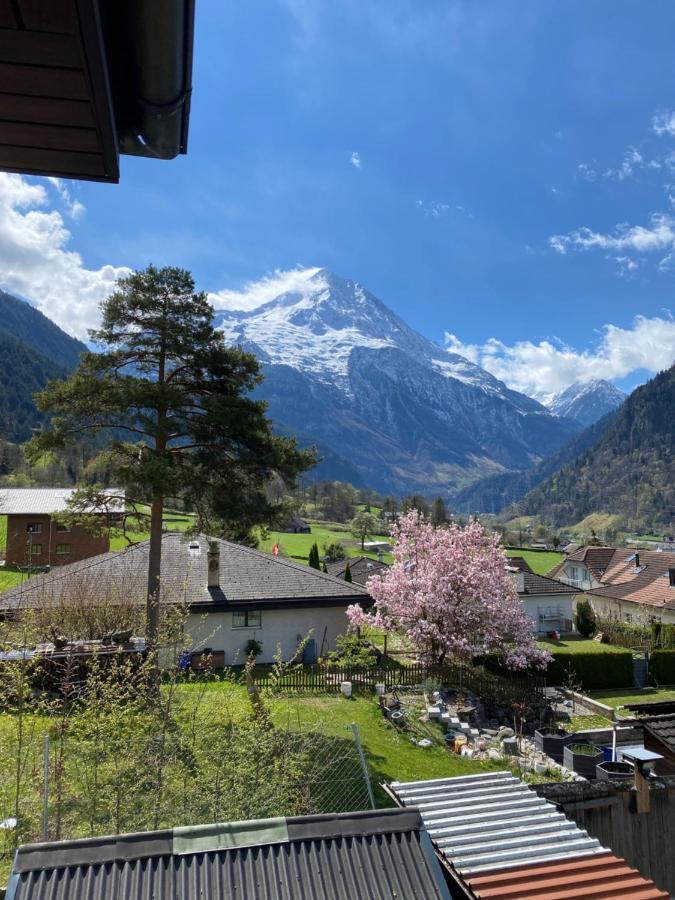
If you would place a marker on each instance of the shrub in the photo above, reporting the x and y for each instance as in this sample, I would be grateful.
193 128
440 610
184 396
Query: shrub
663 635
662 666
334 551
352 650
584 619
252 648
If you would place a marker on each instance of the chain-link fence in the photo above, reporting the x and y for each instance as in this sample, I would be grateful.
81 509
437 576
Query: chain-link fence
79 785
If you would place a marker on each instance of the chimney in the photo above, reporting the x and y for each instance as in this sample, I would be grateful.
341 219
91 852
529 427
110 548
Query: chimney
213 557
520 582
637 560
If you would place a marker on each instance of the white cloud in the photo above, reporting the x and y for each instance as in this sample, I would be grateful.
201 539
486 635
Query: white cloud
587 171
257 293
435 210
355 160
75 209
35 261
664 123
543 368
632 161
658 236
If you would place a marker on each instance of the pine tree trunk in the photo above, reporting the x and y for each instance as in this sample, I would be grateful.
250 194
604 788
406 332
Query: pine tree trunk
154 568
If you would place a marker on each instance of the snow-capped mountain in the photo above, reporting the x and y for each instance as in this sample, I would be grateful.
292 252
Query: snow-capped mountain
587 402
386 406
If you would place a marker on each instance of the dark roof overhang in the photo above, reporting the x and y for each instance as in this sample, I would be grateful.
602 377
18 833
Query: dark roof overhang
82 81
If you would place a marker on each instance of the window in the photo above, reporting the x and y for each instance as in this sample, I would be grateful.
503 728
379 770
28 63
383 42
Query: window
63 529
35 549
63 548
246 619
34 528
574 573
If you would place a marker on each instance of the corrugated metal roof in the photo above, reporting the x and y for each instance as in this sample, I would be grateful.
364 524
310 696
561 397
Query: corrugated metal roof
367 855
596 878
484 823
39 501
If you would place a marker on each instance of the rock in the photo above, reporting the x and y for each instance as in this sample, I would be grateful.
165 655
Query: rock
505 733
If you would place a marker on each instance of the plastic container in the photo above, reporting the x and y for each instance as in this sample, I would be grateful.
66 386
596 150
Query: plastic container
380 689
346 688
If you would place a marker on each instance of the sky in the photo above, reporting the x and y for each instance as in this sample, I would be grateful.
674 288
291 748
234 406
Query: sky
501 174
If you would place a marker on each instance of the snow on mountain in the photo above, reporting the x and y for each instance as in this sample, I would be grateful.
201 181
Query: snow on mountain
385 406
587 402
315 326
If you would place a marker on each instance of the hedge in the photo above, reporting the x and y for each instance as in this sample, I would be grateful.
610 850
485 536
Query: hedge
662 666
593 671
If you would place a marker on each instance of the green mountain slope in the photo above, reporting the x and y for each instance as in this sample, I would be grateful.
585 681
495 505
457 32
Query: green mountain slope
20 320
23 372
629 472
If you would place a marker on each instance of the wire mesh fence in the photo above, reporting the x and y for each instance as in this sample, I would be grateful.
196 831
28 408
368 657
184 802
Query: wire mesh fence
78 786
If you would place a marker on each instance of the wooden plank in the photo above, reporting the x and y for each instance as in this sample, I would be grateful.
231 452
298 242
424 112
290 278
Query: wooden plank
36 48
35 81
54 162
19 108
52 137
49 15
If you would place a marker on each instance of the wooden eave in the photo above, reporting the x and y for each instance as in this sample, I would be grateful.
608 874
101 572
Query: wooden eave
56 111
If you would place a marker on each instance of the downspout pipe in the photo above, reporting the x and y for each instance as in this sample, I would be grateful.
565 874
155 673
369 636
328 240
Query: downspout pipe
156 67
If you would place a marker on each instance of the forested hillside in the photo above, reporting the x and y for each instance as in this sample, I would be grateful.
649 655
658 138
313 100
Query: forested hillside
20 320
630 472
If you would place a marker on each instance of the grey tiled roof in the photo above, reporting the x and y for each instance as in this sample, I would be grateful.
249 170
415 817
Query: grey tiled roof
38 501
361 567
541 584
368 855
246 576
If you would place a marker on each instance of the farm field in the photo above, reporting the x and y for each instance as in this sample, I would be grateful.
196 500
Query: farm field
540 561
297 546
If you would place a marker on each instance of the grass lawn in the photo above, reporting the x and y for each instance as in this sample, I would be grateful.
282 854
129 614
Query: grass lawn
9 578
618 699
3 532
585 723
297 546
577 644
540 561
173 521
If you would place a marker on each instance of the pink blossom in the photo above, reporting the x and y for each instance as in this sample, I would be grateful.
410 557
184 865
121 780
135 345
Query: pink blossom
449 592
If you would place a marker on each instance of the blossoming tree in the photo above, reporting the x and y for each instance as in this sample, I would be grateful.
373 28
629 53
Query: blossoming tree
450 593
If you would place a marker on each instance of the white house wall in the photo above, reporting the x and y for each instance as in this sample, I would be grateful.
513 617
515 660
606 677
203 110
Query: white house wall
629 611
278 626
533 604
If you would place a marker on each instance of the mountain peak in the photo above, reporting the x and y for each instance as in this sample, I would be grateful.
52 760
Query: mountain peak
587 401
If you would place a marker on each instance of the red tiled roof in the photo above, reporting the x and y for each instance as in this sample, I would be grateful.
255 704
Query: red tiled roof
600 876
649 585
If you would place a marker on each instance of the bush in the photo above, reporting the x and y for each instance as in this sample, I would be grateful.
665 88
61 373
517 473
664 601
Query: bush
584 619
353 651
592 670
252 648
663 635
334 551
662 666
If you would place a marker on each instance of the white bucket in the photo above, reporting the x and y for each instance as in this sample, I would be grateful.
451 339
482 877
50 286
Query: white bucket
346 688
380 689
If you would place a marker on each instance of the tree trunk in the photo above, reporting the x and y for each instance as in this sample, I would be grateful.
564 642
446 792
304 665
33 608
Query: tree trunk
154 567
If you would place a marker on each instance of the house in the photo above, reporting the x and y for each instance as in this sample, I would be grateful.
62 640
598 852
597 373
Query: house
361 568
83 82
296 525
33 537
377 546
232 594
634 586
507 843
547 602
659 733
371 855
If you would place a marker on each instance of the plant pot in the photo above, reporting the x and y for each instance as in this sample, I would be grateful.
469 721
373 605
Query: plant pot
615 771
552 742
583 762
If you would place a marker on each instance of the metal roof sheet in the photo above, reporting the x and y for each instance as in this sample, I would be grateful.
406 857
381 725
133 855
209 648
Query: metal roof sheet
597 878
369 855
484 823
40 501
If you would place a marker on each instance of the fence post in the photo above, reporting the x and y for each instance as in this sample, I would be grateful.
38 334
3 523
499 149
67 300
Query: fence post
364 763
45 795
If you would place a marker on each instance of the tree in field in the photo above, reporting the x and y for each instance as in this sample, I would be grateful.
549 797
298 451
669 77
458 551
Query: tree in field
348 574
439 514
449 592
313 559
363 525
174 402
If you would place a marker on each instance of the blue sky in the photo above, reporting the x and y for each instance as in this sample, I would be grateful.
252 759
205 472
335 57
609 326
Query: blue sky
493 170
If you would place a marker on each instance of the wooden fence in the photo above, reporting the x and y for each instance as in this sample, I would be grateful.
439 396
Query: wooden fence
489 687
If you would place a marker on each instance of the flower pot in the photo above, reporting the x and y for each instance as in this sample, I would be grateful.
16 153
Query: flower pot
621 772
582 759
346 688
552 742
